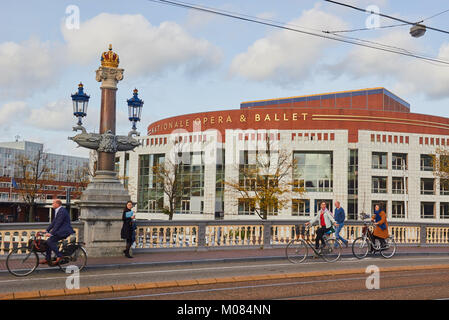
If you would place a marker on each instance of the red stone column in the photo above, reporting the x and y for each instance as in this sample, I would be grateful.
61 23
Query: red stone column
109 77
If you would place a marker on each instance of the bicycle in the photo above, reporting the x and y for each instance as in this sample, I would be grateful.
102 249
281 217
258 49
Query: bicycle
24 260
297 249
362 245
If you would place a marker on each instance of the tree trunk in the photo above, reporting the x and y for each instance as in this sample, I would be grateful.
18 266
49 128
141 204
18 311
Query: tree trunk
31 213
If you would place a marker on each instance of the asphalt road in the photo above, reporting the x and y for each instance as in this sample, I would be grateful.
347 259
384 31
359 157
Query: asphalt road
420 285
97 277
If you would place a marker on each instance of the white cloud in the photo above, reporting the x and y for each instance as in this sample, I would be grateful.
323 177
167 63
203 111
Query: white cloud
284 56
27 66
144 49
12 113
411 75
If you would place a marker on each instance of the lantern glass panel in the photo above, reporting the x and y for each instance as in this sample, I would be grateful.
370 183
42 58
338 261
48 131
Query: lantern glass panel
85 103
75 106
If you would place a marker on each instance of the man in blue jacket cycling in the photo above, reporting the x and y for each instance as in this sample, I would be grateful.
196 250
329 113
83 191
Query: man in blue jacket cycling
339 216
60 228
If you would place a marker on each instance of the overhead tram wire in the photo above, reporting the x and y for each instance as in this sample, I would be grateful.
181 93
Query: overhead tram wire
365 29
355 41
387 16
308 28
435 15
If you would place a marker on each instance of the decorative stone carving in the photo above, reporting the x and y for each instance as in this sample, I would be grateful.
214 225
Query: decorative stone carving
108 142
109 77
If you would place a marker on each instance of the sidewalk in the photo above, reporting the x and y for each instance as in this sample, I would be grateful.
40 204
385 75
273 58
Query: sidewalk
224 255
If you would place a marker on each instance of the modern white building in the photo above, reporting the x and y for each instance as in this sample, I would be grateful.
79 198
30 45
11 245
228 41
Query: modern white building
360 147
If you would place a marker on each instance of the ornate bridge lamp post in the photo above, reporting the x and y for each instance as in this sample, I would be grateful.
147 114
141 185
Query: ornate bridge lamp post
104 199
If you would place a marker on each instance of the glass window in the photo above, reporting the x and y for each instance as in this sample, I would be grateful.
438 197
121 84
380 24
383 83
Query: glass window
427 210
398 185
353 172
379 160
399 161
426 162
444 210
352 209
246 207
150 194
444 187
314 171
379 185
300 207
427 186
398 209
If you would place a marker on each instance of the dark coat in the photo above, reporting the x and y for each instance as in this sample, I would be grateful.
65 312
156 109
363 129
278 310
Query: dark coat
128 231
61 226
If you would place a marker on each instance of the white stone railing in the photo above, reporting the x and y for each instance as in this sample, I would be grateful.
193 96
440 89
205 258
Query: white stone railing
251 234
215 234
437 235
14 235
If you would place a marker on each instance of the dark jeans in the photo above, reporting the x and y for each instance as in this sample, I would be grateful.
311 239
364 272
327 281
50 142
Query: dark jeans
319 236
337 233
52 245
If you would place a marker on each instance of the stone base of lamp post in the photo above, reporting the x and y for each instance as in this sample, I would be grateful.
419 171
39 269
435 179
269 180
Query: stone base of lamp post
101 208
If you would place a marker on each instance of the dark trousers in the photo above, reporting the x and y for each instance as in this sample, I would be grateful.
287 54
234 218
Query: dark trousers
52 245
382 241
129 243
319 236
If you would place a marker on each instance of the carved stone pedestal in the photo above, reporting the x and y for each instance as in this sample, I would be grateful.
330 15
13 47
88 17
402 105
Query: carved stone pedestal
101 206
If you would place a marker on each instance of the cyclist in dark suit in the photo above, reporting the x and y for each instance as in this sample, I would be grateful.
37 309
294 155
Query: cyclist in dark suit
60 228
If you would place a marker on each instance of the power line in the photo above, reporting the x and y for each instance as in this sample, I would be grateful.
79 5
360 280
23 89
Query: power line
435 15
364 29
322 34
386 16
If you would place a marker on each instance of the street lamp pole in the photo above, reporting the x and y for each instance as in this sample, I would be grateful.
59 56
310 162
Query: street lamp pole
101 204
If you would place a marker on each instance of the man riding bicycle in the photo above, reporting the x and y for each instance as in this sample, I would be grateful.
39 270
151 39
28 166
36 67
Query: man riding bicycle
59 229
325 220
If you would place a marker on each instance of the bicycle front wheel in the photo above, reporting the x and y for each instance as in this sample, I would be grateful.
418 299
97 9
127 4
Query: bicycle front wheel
296 251
21 261
390 248
77 261
360 248
332 251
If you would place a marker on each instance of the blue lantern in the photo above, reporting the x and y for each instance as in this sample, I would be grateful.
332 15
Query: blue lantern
134 108
80 102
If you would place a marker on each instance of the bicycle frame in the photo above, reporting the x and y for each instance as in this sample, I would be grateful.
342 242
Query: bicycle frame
306 237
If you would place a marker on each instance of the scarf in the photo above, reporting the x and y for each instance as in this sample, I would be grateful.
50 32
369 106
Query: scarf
378 218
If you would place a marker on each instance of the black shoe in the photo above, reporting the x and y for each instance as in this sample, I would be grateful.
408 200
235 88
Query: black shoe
128 255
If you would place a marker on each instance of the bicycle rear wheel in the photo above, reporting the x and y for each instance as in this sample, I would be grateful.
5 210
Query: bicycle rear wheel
21 261
332 251
360 248
296 251
390 248
76 261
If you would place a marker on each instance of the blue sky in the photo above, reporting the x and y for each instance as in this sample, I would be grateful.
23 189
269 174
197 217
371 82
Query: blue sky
183 61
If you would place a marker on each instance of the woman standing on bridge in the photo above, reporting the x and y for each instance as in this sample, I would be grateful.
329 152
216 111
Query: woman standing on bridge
129 227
